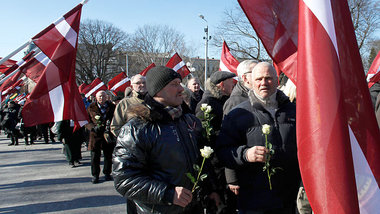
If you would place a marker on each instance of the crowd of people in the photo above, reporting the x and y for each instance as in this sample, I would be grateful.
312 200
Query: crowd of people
151 141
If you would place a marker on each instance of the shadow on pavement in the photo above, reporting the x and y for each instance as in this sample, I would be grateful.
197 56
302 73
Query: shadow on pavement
34 183
30 150
85 202
34 163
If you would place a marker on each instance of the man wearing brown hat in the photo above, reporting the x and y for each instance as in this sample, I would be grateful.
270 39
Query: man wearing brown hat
157 147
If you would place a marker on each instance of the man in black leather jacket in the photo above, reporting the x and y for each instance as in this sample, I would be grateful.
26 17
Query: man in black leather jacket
157 147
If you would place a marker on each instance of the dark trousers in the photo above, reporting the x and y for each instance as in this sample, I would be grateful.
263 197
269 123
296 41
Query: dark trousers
95 159
73 150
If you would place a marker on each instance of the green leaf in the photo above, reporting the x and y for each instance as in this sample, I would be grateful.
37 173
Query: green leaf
196 167
192 179
269 146
204 176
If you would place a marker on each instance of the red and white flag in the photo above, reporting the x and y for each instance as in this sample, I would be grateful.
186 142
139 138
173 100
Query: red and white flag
55 96
35 66
7 87
178 65
227 61
276 24
82 87
373 75
119 83
95 86
337 134
6 65
143 72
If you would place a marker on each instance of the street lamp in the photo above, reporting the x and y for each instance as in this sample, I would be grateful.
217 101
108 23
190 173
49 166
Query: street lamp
206 38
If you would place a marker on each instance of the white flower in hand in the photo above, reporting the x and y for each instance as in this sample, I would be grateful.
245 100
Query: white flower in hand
204 107
206 151
208 109
266 129
97 117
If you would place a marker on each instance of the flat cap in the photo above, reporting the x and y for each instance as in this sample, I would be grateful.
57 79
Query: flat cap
220 76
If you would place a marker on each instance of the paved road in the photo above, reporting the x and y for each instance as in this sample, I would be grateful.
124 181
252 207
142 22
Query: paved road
37 179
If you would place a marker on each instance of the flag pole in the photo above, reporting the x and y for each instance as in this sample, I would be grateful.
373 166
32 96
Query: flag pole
15 51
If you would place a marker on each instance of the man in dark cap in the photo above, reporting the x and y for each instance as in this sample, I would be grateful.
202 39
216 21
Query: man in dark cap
218 89
157 147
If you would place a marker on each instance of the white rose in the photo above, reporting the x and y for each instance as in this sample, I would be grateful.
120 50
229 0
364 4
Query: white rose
204 107
97 117
206 151
208 109
266 129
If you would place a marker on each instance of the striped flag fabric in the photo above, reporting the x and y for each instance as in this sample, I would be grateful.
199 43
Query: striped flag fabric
143 72
337 133
178 65
55 96
6 65
338 137
82 87
277 30
227 61
95 86
373 75
119 83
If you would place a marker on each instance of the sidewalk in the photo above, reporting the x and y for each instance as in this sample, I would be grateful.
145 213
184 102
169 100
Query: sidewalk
38 179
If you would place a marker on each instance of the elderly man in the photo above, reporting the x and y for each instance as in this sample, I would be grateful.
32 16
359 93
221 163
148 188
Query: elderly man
100 113
218 89
196 92
157 147
241 146
240 92
137 96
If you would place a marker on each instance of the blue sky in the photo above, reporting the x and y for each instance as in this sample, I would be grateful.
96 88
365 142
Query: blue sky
22 19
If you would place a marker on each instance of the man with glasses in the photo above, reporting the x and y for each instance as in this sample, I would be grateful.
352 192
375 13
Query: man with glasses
137 97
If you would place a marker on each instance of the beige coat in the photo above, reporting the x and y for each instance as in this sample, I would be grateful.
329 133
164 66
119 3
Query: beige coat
120 116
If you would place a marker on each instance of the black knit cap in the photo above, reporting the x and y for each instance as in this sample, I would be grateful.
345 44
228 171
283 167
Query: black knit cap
220 76
158 77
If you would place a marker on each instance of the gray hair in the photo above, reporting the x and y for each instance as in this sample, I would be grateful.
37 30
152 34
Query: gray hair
139 76
244 67
262 65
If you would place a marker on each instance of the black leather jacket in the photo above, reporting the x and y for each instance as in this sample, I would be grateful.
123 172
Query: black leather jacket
153 155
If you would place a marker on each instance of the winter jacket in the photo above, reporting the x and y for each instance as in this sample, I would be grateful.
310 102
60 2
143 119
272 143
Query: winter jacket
152 156
241 130
120 115
239 94
216 102
194 100
374 91
10 118
97 127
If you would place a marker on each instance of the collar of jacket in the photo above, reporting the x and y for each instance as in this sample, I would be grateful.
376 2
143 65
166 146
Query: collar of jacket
281 99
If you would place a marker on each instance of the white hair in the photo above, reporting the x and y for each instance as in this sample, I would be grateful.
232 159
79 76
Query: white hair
244 67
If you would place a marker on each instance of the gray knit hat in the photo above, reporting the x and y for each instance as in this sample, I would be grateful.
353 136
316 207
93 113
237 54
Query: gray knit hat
158 77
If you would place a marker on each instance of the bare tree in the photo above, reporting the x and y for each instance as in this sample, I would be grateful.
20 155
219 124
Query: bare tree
98 45
238 33
236 30
155 43
365 18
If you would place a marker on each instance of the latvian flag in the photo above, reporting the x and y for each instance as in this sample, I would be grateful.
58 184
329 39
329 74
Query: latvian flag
119 83
55 96
227 61
373 75
95 86
178 65
143 73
